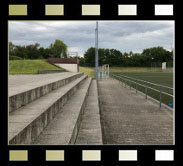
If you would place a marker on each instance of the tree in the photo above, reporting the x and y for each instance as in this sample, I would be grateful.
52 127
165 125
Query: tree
116 57
32 51
89 57
81 61
106 56
20 51
157 54
43 53
57 49
11 48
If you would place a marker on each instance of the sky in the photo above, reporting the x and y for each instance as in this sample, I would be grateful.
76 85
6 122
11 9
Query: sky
125 36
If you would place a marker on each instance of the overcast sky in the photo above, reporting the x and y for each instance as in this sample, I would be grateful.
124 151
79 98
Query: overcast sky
80 35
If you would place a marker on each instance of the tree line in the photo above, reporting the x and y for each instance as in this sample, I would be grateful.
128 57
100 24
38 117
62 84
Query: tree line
34 51
112 57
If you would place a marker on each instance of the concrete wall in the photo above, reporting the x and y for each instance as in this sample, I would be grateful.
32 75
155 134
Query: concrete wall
69 67
49 71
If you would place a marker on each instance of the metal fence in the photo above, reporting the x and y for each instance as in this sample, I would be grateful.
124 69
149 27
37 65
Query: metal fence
128 80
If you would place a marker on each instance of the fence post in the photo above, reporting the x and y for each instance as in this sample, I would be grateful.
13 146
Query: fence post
146 92
136 86
160 96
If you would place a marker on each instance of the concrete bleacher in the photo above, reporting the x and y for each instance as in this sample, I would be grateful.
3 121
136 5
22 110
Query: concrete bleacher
47 109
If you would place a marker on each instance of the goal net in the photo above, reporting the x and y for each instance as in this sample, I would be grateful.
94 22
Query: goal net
164 66
103 72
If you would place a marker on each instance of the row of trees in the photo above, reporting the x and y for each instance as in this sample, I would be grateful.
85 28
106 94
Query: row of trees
34 51
114 57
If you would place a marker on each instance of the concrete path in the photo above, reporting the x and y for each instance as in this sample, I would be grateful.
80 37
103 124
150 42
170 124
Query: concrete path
90 131
127 118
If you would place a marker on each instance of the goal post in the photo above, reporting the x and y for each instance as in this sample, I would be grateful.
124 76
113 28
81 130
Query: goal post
164 66
103 72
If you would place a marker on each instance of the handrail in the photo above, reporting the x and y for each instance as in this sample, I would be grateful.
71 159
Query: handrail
161 92
147 86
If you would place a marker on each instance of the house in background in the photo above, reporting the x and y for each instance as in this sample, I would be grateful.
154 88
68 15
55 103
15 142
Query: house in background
69 64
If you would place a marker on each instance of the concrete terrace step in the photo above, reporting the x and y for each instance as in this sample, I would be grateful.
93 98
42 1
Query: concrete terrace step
24 89
26 123
90 131
64 127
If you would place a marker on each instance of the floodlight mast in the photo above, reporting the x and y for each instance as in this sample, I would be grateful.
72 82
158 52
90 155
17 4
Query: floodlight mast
96 51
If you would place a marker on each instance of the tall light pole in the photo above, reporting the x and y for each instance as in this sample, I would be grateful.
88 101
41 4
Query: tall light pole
96 51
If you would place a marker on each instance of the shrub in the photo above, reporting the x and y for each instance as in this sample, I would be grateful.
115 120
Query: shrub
14 58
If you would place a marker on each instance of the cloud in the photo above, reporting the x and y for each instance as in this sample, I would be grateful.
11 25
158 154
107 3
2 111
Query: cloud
80 35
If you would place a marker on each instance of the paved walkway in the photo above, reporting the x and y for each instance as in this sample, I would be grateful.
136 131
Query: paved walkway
127 118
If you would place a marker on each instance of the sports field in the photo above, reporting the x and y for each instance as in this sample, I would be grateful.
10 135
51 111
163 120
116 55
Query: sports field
147 74
163 78
160 78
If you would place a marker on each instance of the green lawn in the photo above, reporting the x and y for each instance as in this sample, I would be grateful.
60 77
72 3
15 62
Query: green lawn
29 66
130 69
163 78
138 69
87 70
